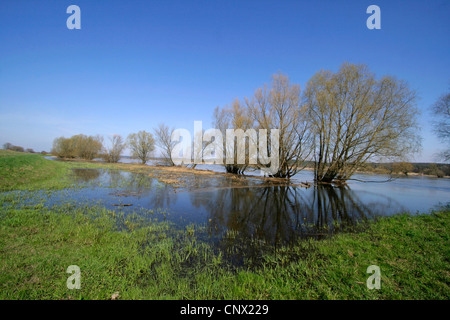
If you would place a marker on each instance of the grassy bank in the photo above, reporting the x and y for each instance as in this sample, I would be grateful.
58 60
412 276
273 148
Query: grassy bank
133 258
149 261
25 171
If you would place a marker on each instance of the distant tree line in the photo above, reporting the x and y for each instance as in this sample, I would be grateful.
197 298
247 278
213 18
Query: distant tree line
405 168
400 168
141 144
10 146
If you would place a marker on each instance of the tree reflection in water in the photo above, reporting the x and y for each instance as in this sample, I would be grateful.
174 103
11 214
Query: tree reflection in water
257 217
85 175
242 218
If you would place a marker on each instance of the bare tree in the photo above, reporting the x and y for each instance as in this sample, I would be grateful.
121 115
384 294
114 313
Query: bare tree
441 111
198 147
142 145
7 146
113 152
356 118
164 142
279 107
234 117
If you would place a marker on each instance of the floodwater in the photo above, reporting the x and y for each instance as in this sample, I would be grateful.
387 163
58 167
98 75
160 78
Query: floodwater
274 214
245 219
412 193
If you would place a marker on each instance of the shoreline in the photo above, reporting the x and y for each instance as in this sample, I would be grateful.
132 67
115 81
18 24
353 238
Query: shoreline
211 172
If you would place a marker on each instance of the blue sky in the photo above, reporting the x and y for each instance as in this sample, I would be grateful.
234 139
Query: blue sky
135 64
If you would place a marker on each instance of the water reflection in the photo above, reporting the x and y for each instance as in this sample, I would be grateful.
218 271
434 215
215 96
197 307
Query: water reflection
85 175
111 185
282 214
241 218
233 212
274 213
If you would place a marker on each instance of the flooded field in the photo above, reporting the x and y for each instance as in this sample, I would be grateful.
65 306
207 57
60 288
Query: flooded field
250 207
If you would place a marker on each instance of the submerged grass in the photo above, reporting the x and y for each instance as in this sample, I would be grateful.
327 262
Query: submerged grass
132 257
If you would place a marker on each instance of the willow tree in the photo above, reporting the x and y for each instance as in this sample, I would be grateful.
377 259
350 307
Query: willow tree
81 146
356 117
87 147
441 112
164 141
141 145
279 107
234 117
113 152
64 147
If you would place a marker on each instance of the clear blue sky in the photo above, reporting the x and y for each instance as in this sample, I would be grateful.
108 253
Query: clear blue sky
134 64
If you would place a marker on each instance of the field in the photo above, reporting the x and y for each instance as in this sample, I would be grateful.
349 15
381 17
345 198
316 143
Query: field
145 259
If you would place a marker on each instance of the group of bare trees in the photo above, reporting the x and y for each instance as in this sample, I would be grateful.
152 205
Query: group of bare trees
277 106
141 145
81 146
163 135
165 143
113 150
78 146
342 120
10 146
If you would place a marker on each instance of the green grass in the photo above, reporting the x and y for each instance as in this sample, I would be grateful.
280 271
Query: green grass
25 171
152 261
411 251
145 259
